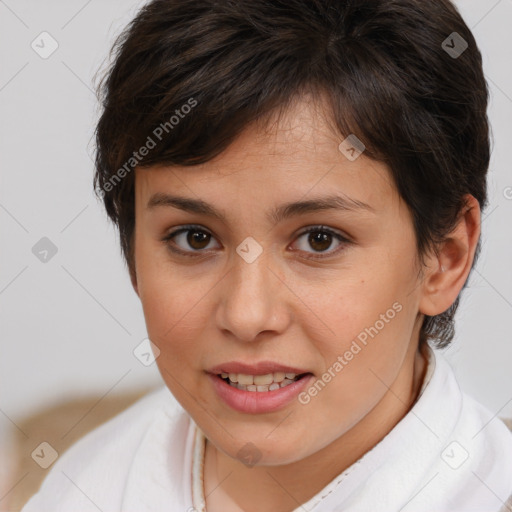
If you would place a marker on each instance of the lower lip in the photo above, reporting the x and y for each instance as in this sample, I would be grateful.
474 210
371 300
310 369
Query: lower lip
257 402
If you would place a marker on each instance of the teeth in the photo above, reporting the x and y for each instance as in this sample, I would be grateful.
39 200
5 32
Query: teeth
279 376
246 380
259 380
260 383
263 380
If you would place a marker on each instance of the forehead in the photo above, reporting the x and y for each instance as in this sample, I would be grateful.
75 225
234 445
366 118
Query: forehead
291 156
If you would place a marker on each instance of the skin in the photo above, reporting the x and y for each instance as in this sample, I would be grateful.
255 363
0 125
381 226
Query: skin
286 306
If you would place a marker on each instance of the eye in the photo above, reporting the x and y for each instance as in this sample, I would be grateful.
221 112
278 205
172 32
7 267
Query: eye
198 239
320 239
192 236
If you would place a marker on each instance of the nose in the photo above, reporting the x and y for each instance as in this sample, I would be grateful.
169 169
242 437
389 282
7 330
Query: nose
253 299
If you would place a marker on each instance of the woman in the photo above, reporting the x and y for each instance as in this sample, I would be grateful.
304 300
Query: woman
298 187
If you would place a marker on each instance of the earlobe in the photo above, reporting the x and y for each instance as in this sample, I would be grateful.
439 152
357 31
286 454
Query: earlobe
450 269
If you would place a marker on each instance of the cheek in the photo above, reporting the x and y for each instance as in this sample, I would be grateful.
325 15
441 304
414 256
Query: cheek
171 319
175 318
370 328
164 289
173 310
352 307
356 374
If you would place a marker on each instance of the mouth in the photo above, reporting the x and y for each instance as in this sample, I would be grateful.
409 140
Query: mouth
261 383
261 389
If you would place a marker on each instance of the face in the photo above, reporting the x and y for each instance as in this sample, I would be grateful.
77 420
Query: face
328 292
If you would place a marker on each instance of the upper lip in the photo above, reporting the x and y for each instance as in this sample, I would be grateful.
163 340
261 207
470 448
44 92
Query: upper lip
259 368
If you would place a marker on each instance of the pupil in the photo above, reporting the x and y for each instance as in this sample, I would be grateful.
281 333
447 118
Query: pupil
319 237
192 239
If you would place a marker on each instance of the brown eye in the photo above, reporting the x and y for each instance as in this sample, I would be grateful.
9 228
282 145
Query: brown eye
320 239
188 240
197 239
194 241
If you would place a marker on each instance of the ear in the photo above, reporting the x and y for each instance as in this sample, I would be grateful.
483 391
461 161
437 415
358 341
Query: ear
447 273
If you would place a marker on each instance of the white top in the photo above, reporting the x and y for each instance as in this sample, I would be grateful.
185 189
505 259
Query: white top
447 454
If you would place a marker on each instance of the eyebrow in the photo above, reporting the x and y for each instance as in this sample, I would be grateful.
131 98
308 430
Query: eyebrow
284 211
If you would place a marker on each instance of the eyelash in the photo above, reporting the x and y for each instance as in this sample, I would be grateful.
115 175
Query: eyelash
194 254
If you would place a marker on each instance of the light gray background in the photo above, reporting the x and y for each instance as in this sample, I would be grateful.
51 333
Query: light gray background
69 326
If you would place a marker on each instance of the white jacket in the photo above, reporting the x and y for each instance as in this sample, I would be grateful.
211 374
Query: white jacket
448 454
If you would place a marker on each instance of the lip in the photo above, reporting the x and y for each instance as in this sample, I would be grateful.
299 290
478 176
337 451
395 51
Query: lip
255 402
260 368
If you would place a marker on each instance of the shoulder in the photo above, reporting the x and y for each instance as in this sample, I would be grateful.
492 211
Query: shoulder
118 434
476 423
489 430
480 442
486 442
92 472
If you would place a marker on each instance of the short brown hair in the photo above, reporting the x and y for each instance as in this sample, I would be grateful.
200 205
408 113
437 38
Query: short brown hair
385 67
